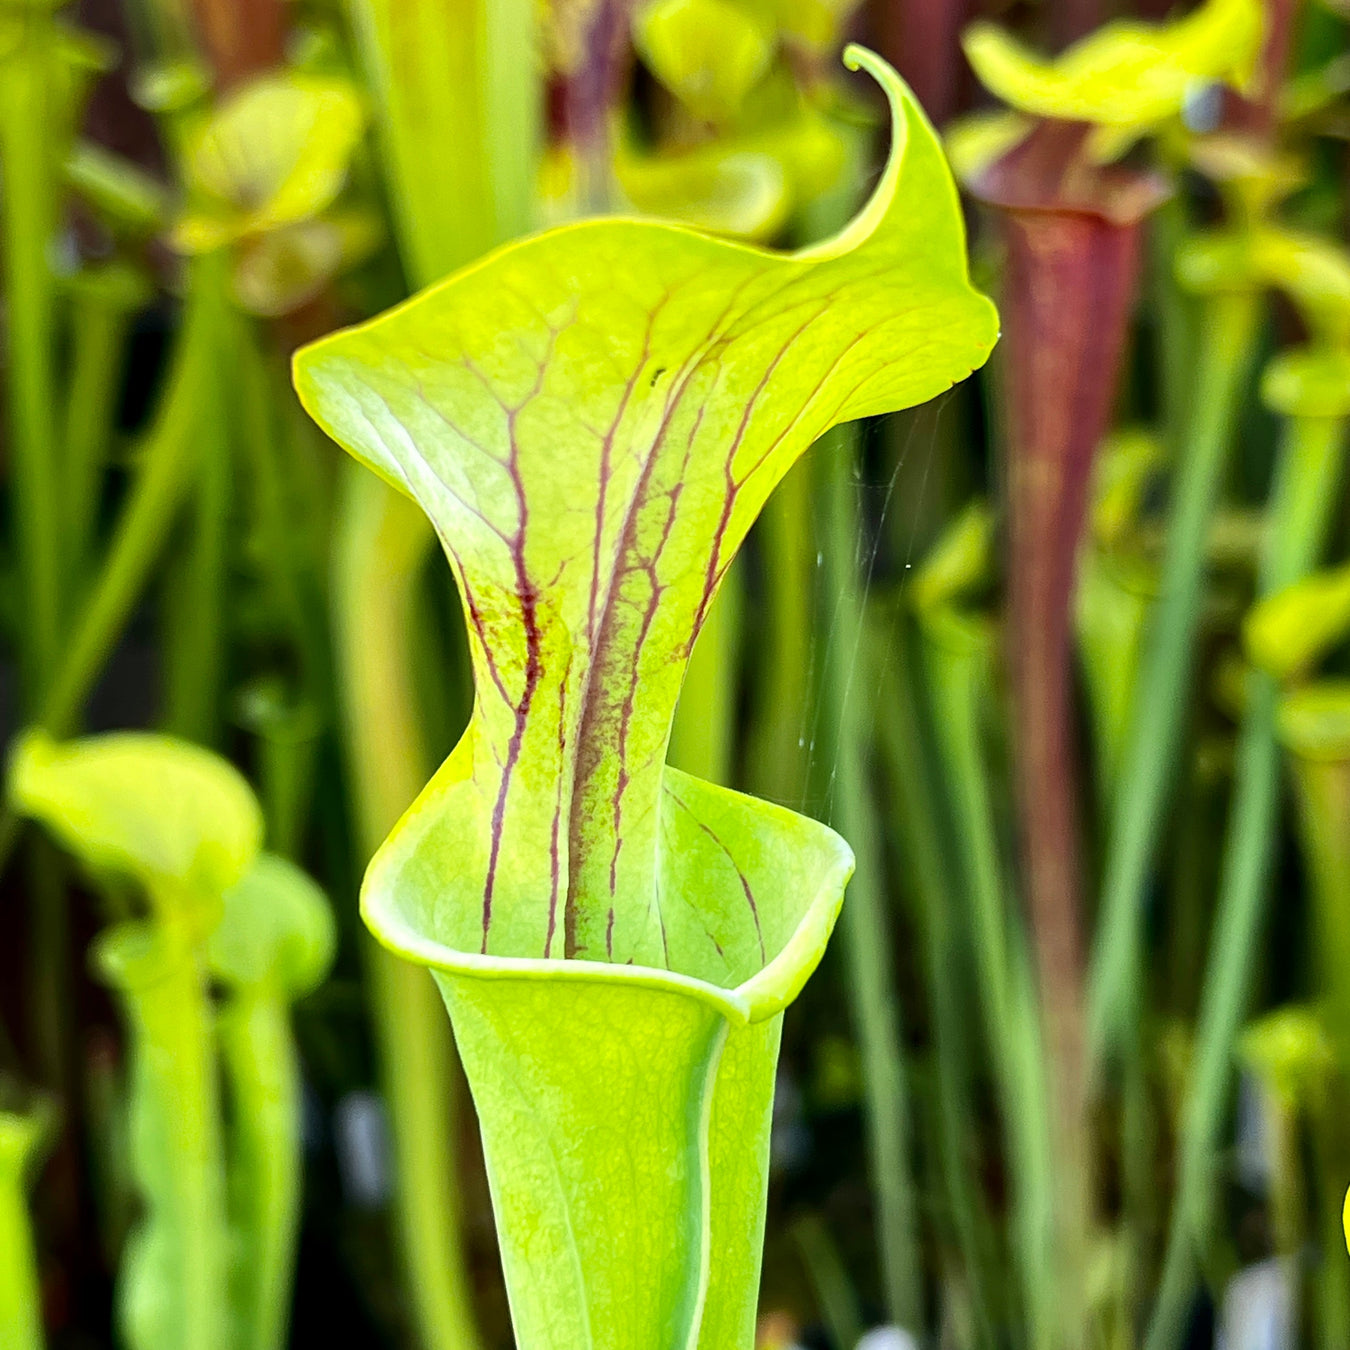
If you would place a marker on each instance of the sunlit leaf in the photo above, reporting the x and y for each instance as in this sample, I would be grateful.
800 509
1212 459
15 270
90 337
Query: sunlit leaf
1311 270
709 53
1127 75
721 190
159 810
277 930
658 383
276 152
1290 631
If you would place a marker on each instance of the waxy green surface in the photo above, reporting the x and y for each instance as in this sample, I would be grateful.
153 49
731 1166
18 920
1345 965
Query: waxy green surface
592 419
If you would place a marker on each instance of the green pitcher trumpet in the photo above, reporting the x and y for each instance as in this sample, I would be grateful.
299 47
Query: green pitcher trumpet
182 826
1116 586
273 945
208 1266
592 419
1314 726
172 1280
20 1310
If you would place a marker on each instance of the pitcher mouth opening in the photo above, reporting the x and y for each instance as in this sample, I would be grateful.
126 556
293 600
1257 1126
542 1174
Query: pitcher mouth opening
763 995
795 867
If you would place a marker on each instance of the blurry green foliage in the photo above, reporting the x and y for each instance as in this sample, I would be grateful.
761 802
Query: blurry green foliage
263 173
22 1136
174 818
1127 78
208 1265
1287 633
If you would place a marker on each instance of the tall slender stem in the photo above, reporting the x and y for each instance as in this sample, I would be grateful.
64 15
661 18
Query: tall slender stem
835 1295
956 663
864 925
1069 287
1331 1280
778 752
269 446
144 524
1308 471
380 546
263 1073
195 602
172 1287
1322 784
1072 232
1175 315
167 462
30 87
99 329
1156 716
918 822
